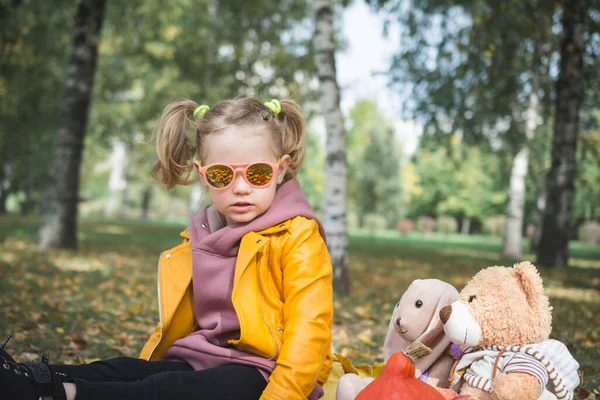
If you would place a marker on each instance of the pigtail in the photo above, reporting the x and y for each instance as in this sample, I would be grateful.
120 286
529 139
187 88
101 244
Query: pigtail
293 140
174 147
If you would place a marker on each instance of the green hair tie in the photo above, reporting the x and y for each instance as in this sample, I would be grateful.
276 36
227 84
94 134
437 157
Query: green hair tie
274 106
200 111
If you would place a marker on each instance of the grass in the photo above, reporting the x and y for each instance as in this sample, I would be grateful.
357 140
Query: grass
101 301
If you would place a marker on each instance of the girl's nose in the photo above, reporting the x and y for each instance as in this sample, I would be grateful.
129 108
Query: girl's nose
240 186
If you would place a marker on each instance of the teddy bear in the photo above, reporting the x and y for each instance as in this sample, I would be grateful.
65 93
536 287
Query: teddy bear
415 315
502 321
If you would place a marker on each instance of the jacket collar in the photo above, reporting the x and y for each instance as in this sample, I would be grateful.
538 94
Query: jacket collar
284 226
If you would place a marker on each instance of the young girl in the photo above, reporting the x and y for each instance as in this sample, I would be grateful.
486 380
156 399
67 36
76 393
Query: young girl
245 302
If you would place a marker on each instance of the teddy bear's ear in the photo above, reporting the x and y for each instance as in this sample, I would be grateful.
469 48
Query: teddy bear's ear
532 283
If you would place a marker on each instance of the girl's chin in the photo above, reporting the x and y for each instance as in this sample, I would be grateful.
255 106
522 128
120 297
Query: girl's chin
239 218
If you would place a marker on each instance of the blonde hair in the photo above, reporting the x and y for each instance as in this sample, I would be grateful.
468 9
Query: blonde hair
179 136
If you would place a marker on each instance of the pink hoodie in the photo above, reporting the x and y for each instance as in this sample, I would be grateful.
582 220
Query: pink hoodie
214 252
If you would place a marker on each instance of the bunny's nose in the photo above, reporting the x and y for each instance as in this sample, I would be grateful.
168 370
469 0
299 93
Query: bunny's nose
445 313
398 321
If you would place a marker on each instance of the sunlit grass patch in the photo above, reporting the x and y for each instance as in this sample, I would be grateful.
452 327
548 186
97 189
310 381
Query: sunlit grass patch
114 229
575 294
72 262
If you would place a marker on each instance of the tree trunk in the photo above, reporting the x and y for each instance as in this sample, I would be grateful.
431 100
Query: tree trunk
5 184
28 203
334 211
539 215
515 212
553 250
116 182
124 208
513 230
195 198
146 197
59 224
466 226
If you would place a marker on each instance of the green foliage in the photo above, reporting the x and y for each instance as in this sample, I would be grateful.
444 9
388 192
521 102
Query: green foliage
467 63
374 223
426 224
149 55
471 67
373 164
462 182
446 225
495 225
34 43
589 232
352 221
311 177
205 50
587 189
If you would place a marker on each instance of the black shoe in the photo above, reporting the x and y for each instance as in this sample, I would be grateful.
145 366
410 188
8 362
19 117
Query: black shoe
29 380
4 356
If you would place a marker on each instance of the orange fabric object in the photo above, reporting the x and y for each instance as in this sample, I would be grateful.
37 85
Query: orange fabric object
285 308
448 394
398 382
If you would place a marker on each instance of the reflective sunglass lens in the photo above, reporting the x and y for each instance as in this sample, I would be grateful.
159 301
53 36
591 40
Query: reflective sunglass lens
219 176
259 174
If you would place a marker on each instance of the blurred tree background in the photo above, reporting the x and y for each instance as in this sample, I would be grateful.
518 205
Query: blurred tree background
505 95
482 79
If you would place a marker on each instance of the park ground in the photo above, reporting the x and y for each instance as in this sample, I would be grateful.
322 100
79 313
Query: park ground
101 301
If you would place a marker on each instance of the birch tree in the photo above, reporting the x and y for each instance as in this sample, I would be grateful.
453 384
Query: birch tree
117 181
513 231
334 214
59 226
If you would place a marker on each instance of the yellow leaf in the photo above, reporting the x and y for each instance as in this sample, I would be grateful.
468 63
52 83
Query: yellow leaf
330 386
365 370
60 330
346 364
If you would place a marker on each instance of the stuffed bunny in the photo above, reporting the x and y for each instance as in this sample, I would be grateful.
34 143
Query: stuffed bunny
415 315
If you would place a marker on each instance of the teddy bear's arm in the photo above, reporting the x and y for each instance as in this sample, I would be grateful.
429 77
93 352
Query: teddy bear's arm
516 386
477 393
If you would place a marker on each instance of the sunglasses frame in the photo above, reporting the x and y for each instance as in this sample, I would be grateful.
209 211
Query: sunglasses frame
236 170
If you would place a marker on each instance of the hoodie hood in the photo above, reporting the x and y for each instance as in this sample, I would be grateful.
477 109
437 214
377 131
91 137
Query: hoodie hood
289 202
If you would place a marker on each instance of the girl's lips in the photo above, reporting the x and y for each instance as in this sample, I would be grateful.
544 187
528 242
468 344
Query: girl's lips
241 207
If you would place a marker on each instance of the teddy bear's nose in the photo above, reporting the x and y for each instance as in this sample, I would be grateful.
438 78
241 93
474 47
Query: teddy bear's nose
445 313
398 321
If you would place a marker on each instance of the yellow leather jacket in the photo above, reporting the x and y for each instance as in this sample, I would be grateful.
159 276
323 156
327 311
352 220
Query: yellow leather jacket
282 295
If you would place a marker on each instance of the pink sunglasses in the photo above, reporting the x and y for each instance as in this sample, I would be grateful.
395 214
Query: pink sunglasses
220 176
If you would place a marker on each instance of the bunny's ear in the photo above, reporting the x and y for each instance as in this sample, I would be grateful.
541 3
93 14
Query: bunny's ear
393 341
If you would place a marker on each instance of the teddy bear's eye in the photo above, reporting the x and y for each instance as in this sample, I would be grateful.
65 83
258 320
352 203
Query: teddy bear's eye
397 304
419 304
472 298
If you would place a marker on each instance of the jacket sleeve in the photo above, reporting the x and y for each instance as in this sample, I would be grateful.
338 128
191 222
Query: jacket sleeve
308 315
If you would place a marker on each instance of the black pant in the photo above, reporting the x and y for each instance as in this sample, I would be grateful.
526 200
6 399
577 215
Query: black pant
132 378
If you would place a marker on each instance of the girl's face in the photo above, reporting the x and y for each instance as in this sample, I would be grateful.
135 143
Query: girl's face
243 145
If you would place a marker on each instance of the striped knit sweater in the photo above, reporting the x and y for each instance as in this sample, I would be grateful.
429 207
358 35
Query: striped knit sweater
550 362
